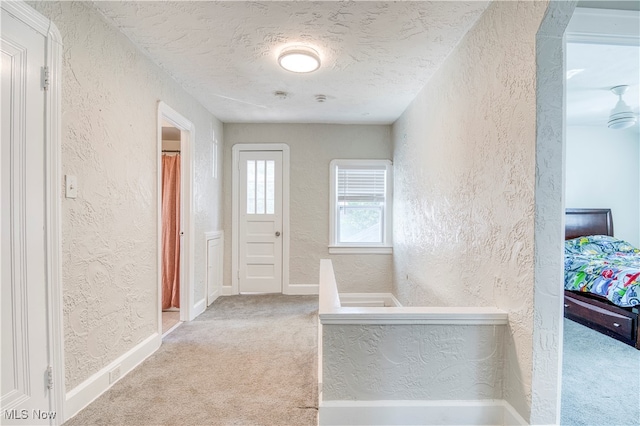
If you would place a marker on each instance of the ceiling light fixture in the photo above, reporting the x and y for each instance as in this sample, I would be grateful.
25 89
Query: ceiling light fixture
622 116
299 59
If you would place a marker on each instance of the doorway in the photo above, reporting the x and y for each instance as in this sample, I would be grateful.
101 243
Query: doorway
602 52
260 218
260 222
548 330
175 219
171 227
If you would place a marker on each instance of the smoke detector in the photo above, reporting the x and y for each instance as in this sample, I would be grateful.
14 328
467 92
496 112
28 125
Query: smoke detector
280 94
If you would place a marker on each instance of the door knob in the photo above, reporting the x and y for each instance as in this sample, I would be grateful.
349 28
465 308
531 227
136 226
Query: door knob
277 233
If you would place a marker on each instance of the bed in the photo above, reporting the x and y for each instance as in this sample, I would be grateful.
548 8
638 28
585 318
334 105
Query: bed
602 276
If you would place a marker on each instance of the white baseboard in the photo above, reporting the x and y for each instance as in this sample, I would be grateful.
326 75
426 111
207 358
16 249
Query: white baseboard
291 289
302 289
199 308
368 299
85 393
511 416
212 297
403 412
394 301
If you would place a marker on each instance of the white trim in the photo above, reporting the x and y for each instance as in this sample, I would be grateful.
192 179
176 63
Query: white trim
212 235
302 289
604 26
511 415
53 167
227 290
208 236
320 359
359 249
32 18
368 299
54 214
87 392
418 412
329 297
199 307
350 248
415 315
331 311
235 155
187 140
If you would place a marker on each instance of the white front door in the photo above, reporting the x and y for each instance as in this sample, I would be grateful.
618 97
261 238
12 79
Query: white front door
260 222
25 395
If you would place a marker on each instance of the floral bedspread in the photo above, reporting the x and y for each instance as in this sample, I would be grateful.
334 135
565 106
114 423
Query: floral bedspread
605 266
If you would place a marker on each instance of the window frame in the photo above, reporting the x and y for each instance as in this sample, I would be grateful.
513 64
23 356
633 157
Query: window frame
335 247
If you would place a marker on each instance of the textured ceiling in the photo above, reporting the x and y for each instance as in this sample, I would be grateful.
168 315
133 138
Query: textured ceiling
376 56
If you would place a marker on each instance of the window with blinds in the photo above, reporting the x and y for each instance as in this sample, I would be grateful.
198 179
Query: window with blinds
360 202
361 184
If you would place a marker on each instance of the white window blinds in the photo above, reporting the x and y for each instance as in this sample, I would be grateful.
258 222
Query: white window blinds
361 183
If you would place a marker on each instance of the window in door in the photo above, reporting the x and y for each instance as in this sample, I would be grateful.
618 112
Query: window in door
261 184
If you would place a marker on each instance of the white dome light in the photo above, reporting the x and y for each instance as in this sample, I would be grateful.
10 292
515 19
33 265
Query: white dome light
299 59
622 116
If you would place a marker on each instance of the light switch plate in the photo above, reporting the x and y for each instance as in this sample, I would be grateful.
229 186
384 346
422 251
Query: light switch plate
71 183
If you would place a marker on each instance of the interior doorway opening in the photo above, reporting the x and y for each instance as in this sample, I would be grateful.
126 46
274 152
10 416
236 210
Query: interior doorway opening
602 49
548 331
171 227
175 219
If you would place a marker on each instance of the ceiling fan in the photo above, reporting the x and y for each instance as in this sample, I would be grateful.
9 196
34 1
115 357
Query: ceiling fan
621 116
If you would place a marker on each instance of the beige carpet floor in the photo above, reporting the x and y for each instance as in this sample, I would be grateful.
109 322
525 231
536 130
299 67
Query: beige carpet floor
247 360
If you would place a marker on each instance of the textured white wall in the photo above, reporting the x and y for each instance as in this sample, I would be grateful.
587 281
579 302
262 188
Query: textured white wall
312 147
602 172
413 362
464 155
110 94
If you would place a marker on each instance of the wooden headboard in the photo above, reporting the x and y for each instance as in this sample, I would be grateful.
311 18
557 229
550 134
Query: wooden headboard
582 222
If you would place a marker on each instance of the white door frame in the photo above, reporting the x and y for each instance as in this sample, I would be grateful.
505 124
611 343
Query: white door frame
55 346
235 210
187 136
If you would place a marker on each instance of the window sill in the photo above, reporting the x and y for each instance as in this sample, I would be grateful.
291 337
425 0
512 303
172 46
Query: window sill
360 250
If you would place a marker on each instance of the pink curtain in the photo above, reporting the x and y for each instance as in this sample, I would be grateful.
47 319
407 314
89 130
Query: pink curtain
170 231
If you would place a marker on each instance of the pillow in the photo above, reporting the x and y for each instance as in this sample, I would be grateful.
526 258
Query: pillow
598 244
